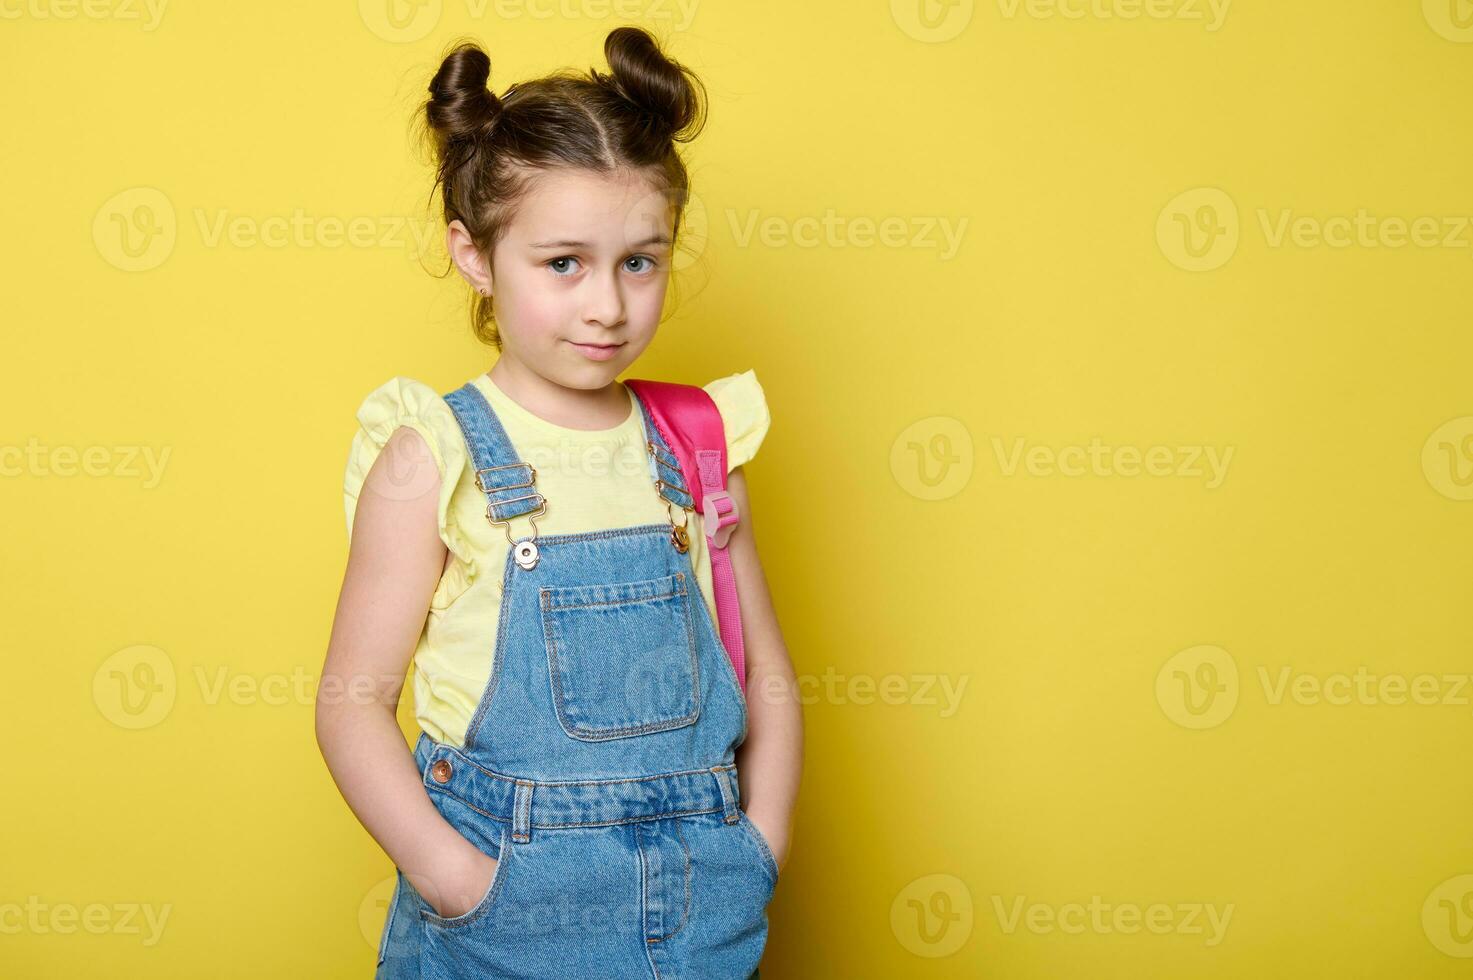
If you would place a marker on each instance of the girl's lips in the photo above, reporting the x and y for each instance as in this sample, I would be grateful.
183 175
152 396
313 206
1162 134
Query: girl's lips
597 352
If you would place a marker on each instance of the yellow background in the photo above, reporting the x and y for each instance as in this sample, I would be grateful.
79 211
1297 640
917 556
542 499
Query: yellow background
1076 149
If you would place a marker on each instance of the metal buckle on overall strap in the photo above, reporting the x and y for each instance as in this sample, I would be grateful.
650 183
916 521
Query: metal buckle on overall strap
679 535
524 551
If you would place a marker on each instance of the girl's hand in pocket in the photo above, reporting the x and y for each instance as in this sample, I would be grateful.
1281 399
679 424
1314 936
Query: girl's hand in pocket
776 833
462 883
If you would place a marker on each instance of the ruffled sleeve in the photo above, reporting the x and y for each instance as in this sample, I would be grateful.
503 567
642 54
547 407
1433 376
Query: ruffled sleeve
404 401
743 407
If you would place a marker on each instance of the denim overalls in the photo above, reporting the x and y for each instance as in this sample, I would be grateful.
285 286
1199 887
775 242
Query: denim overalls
598 765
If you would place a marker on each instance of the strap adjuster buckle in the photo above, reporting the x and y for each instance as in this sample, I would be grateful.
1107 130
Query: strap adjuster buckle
719 512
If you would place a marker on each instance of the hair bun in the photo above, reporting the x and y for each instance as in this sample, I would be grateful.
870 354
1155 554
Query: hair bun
660 88
461 106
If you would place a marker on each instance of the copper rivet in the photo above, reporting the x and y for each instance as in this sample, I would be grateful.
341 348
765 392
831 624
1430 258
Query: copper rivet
441 771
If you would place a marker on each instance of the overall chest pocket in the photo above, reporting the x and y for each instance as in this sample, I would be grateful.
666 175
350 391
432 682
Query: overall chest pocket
622 656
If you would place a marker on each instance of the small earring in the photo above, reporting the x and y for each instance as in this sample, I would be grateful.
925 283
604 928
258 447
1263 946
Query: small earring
485 291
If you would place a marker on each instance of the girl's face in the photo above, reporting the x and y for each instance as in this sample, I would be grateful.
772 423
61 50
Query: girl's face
578 280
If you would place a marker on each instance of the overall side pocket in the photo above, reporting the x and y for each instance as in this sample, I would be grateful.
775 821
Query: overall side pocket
487 900
769 862
395 901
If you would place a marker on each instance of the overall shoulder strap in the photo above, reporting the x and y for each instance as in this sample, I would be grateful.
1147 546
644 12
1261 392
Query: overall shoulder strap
508 483
688 420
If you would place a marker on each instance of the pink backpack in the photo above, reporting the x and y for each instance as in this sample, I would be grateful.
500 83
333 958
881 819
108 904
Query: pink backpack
691 425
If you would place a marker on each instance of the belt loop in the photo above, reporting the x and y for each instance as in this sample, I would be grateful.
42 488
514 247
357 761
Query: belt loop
521 813
730 811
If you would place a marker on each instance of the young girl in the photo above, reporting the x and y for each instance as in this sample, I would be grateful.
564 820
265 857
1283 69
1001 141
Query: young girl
572 806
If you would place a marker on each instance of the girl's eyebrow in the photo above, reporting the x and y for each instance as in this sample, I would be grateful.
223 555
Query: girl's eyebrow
565 243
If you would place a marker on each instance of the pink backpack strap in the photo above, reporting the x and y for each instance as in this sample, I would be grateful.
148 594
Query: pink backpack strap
691 425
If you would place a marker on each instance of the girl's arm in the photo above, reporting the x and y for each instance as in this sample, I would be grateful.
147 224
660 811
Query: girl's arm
770 761
395 559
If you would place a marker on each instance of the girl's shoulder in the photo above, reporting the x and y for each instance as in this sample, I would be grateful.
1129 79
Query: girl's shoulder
406 402
744 413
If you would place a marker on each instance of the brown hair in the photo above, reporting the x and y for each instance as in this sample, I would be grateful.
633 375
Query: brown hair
488 147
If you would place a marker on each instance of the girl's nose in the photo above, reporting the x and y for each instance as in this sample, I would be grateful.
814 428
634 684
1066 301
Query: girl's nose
604 305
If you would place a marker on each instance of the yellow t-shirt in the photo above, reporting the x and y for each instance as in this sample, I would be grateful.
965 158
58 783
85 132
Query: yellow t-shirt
592 480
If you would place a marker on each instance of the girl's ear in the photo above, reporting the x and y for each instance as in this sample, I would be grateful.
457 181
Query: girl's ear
467 258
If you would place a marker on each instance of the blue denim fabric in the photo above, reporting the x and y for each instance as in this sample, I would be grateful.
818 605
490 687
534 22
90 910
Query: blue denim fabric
598 766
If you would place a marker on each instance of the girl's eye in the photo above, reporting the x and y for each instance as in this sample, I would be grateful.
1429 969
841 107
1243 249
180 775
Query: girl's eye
562 271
